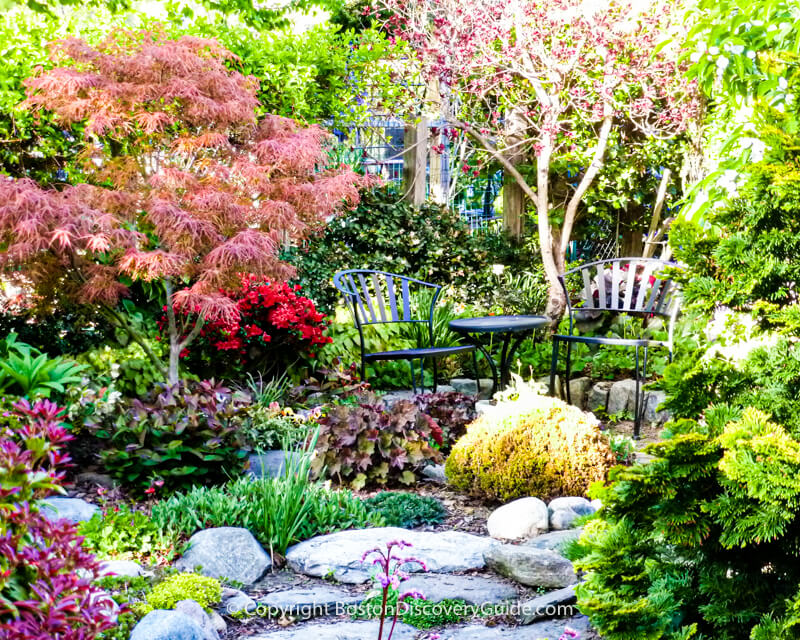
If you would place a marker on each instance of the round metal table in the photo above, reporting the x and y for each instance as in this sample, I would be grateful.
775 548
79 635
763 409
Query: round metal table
507 327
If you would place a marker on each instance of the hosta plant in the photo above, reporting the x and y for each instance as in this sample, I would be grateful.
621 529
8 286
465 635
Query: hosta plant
26 371
45 575
370 444
178 436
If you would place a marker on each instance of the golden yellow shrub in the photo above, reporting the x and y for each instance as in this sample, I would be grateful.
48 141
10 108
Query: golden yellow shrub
536 446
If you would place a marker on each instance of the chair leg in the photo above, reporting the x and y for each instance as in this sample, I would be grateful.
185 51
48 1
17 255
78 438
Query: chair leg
553 366
477 373
435 375
567 371
643 404
413 380
422 375
363 370
636 414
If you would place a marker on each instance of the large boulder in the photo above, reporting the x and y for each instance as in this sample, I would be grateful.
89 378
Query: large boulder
598 396
565 511
531 567
519 519
339 555
193 610
167 625
74 510
226 552
621 397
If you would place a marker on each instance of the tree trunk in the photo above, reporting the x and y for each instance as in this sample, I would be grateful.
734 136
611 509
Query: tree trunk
513 194
415 157
173 372
556 299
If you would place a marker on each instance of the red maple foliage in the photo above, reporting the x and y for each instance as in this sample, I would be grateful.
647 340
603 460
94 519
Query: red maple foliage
273 317
184 186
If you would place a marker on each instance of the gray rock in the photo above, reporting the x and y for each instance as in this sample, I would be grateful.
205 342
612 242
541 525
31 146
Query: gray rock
579 505
271 464
167 625
652 401
557 386
469 387
477 590
96 479
598 396
311 602
226 552
547 630
126 568
519 519
621 397
360 630
338 555
73 509
193 610
235 601
218 622
563 519
555 540
578 390
530 566
435 472
390 398
556 604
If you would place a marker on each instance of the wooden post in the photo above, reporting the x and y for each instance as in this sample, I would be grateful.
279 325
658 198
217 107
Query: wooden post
415 157
513 195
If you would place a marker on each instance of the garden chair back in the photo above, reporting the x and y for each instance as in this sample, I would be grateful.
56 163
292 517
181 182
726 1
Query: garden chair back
378 297
632 286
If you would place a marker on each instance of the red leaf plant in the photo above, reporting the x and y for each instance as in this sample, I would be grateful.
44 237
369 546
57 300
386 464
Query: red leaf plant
273 320
45 574
531 81
185 188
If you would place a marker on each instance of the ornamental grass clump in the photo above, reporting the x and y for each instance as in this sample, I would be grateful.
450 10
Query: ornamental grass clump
46 575
534 446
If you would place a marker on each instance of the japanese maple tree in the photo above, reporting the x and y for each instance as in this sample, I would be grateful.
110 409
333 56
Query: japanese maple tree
184 187
533 80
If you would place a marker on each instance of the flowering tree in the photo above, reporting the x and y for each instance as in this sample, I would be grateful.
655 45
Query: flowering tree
550 78
185 189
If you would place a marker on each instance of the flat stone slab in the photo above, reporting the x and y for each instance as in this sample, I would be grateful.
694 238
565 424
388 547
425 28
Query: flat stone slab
361 630
556 604
532 567
339 555
477 590
311 602
549 630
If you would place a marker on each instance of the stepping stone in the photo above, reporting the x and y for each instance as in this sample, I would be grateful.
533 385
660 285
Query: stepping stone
339 555
556 604
311 602
549 630
477 590
338 631
555 540
531 567
75 510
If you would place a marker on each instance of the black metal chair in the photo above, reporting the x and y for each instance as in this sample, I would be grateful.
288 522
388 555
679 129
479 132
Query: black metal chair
377 297
633 286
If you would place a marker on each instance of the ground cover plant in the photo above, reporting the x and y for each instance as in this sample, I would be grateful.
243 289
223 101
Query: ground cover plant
406 509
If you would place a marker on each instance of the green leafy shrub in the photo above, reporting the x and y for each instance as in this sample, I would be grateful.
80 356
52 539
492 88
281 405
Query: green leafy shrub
436 246
532 446
279 511
177 435
127 368
370 444
204 590
701 542
451 410
122 533
26 371
407 510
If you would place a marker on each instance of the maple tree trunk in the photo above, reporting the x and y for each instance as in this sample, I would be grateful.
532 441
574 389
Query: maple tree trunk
556 300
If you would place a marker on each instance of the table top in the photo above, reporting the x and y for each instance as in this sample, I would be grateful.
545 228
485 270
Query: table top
498 324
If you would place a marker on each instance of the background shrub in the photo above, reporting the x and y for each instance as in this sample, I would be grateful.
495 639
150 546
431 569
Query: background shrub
534 446
177 436
370 444
407 510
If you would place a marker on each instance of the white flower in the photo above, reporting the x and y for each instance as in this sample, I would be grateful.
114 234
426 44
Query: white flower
782 83
498 269
751 54
713 50
722 62
695 56
736 49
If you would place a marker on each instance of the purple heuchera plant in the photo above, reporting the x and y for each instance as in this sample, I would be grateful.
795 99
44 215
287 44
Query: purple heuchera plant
390 575
46 576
